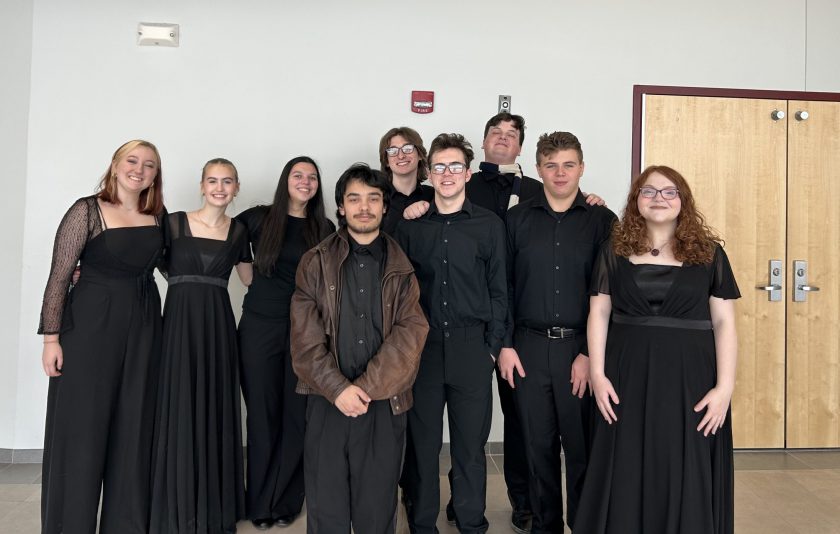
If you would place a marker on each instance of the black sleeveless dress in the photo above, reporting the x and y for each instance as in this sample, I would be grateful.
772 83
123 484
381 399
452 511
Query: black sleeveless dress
198 479
652 471
100 411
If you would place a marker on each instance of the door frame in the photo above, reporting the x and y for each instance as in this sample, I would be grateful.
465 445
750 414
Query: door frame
639 92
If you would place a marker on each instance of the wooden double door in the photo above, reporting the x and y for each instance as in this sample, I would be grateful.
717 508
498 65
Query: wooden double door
766 174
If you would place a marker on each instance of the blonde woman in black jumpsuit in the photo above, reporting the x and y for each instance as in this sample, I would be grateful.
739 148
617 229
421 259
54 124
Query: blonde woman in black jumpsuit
101 351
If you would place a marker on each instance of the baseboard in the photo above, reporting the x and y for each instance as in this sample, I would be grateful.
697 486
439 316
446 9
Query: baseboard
21 456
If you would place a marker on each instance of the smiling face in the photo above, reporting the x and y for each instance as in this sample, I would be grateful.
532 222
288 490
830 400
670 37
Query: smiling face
363 207
136 170
561 172
657 210
303 182
449 185
219 185
402 164
501 144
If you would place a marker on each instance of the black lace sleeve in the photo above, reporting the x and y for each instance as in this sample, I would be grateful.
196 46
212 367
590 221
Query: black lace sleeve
722 282
73 233
242 243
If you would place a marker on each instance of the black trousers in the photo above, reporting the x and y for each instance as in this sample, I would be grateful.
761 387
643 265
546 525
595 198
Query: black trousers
275 419
100 412
516 463
352 465
455 371
548 409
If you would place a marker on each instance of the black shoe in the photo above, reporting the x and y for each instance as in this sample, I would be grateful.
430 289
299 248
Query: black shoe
285 520
262 524
520 522
450 513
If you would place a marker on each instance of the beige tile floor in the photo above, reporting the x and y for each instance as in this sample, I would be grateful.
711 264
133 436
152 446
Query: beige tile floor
775 492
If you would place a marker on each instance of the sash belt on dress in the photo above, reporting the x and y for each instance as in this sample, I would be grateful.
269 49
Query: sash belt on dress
667 322
198 279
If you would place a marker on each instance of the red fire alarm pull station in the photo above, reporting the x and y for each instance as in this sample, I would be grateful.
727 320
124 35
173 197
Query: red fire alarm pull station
422 101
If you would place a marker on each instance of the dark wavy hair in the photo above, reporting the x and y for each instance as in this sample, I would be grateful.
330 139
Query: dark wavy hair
695 241
412 137
151 198
361 172
274 225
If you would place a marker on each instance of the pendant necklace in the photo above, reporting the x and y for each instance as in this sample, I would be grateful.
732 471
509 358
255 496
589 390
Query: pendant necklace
655 251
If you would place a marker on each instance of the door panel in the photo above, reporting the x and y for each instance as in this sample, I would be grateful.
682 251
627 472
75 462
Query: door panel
733 155
813 342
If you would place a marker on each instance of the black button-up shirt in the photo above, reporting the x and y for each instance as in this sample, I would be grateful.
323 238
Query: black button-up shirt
398 203
550 259
360 307
491 190
459 260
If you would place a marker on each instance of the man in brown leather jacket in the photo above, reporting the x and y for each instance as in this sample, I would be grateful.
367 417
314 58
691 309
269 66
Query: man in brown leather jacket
357 334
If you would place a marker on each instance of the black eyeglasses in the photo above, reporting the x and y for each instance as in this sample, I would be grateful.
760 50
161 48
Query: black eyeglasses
669 193
394 150
454 168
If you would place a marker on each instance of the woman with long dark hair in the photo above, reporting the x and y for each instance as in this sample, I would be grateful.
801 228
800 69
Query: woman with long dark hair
101 351
662 348
280 233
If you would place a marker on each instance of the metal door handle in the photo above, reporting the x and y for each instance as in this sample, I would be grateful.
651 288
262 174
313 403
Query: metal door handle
800 281
774 288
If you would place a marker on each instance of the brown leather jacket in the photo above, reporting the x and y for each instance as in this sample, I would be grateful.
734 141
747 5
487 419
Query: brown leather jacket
391 371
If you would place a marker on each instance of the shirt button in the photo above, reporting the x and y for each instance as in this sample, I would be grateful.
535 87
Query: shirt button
556 267
362 316
444 303
361 291
446 323
446 241
557 243
362 265
557 315
447 223
444 261
446 334
444 282
361 342
557 291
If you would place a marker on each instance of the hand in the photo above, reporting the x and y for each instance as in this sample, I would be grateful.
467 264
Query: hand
52 357
353 401
716 403
604 392
508 361
580 375
592 199
416 210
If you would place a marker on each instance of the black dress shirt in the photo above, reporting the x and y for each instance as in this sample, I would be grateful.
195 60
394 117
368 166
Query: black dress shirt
360 307
399 202
550 259
491 190
459 260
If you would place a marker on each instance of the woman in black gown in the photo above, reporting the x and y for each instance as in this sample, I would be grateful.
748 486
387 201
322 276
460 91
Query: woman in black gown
280 234
101 351
662 345
198 476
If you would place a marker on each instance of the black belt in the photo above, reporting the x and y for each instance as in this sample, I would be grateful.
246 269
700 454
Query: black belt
197 279
666 322
555 332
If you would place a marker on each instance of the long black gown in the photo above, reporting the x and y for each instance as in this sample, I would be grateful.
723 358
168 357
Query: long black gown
100 411
198 479
651 471
275 413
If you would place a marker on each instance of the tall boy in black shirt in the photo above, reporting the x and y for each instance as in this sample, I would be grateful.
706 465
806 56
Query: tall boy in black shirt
458 253
553 240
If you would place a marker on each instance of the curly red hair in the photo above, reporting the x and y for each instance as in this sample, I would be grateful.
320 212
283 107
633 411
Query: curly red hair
694 242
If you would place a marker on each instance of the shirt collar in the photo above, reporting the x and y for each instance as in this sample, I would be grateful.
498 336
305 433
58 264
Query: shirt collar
376 248
466 208
579 202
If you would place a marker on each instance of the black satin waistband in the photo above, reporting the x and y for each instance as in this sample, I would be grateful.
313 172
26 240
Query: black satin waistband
667 322
198 279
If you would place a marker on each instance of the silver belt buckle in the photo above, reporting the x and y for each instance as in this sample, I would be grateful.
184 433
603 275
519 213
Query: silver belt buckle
549 332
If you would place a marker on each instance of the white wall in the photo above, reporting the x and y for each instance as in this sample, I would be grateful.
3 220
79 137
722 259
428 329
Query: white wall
263 83
15 41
